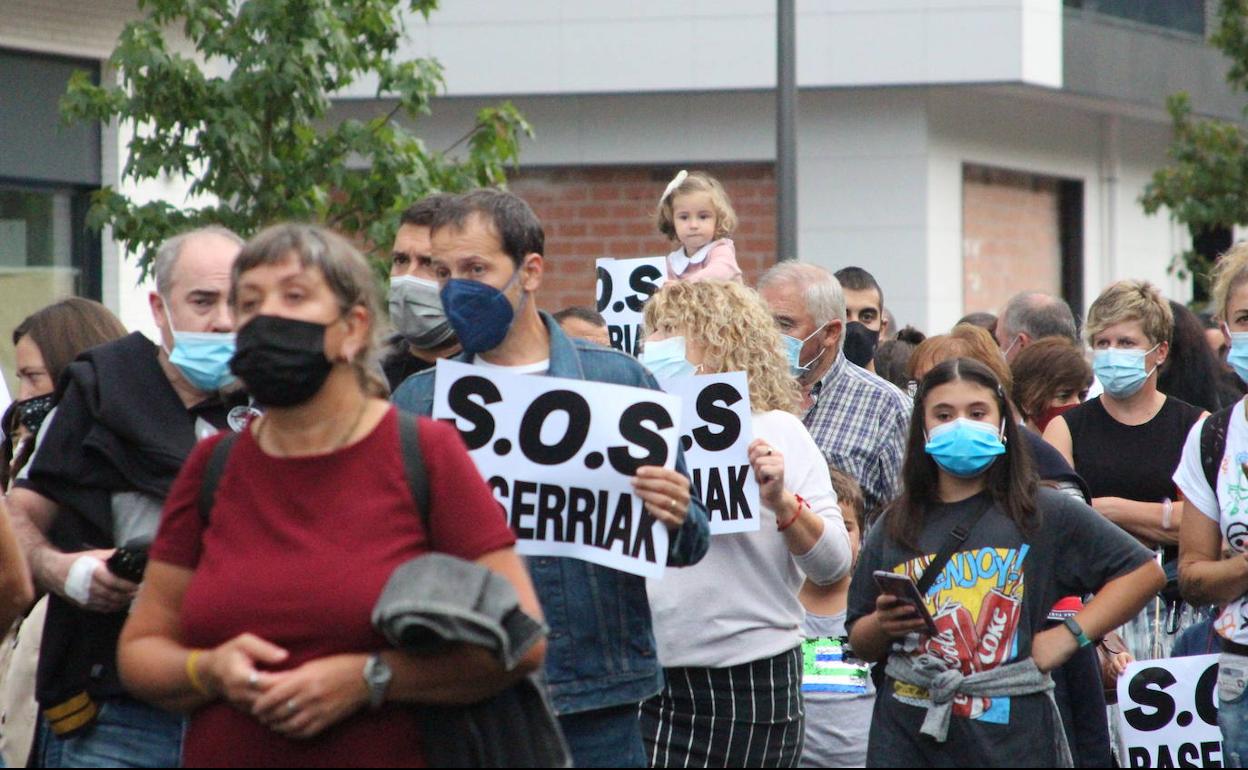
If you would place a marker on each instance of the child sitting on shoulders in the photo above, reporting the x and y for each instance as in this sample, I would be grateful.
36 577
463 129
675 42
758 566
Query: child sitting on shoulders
695 212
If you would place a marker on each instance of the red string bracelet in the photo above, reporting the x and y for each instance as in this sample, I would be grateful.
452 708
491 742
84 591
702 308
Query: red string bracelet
800 502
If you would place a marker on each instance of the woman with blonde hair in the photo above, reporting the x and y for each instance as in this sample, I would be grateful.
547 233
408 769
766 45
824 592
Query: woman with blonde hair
729 628
255 614
1211 475
1127 442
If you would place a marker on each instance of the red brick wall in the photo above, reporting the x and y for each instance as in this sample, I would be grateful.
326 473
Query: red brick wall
608 211
1010 236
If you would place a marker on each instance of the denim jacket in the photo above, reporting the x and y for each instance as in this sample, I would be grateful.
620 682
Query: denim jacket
601 649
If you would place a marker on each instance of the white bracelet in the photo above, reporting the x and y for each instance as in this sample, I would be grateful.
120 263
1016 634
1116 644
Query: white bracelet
1167 513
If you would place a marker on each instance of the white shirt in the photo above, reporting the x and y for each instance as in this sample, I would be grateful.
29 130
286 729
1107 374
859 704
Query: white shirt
739 604
538 367
1229 508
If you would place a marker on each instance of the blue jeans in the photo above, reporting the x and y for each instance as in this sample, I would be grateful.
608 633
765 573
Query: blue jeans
127 733
1233 708
609 737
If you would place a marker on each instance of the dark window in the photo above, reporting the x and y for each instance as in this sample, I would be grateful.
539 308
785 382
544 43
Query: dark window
1179 15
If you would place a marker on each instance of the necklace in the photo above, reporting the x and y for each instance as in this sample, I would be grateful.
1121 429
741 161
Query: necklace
359 418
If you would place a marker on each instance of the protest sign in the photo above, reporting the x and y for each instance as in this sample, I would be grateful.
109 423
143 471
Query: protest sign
715 432
1169 712
560 455
624 285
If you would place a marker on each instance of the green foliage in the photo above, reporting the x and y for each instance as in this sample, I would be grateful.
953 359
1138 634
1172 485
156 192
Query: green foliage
1205 185
247 118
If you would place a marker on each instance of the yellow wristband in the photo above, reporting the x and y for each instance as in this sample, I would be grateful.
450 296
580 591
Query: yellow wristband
192 673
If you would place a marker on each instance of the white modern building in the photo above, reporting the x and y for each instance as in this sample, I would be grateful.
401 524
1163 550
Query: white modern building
959 149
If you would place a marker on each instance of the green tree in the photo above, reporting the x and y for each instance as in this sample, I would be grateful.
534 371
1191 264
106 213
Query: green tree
260 137
1205 184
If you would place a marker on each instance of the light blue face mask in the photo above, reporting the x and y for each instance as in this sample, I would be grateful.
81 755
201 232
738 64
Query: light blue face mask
666 358
1121 371
1237 356
202 357
793 349
965 448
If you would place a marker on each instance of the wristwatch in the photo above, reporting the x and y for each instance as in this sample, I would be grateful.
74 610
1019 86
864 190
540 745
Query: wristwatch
377 676
1077 632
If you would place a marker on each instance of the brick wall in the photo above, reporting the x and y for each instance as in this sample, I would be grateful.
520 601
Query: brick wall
608 211
1010 236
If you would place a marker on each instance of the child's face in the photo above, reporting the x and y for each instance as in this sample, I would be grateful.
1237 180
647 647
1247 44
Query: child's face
695 220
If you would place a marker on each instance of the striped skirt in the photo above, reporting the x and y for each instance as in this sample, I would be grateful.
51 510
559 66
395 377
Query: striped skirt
749 715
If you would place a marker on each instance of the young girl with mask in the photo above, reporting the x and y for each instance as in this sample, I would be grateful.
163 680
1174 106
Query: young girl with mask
255 618
695 212
977 691
1213 514
1127 442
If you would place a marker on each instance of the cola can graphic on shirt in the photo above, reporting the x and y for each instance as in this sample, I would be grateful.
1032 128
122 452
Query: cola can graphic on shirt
955 644
998 618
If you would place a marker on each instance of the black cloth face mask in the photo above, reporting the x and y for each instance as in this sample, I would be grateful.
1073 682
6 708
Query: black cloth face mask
281 361
33 411
860 343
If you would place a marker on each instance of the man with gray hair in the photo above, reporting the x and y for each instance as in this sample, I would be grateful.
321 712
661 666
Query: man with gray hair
1033 315
858 420
89 501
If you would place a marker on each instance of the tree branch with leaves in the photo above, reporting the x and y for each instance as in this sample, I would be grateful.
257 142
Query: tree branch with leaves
260 139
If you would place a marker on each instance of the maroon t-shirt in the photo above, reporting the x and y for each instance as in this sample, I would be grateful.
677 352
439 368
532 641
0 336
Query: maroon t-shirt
297 552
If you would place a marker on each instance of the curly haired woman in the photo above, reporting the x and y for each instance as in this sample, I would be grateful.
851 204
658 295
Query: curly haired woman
729 628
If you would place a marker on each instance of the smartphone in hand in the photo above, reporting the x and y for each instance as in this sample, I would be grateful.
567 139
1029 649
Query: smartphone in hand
904 588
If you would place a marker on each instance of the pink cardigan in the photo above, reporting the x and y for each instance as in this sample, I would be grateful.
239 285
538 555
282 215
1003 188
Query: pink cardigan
716 261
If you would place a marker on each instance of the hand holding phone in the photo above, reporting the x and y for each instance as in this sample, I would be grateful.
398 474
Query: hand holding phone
903 588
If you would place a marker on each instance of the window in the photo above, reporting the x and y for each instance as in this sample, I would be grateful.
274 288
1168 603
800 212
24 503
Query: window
1178 15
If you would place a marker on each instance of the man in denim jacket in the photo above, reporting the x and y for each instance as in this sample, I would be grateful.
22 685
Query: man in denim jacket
600 660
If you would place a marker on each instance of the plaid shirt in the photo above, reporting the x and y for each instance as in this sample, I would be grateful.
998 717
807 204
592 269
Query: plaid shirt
860 422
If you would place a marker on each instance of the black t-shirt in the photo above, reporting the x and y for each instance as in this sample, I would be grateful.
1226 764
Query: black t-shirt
1135 462
399 364
992 598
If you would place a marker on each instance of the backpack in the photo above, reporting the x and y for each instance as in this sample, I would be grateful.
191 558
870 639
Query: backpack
413 466
1213 443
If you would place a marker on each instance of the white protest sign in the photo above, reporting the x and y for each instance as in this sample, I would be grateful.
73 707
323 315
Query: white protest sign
560 455
624 285
715 432
1169 712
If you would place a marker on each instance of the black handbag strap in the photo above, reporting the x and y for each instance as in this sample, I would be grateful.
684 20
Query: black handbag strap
413 468
956 537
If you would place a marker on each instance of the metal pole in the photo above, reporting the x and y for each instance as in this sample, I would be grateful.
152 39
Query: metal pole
786 130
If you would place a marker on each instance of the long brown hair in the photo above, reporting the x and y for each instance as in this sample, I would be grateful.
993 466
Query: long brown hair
1011 480
65 329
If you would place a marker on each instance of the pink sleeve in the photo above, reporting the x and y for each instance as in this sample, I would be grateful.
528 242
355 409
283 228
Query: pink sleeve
720 265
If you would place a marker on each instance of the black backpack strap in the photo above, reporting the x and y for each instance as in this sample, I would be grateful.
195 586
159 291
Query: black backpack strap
414 466
212 475
953 540
1213 443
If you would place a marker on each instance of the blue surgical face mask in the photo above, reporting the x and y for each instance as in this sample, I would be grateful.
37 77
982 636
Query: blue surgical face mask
965 448
793 349
203 358
1121 371
666 359
1237 356
480 314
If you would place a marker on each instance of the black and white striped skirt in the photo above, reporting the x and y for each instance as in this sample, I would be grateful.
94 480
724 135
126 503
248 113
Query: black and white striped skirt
749 715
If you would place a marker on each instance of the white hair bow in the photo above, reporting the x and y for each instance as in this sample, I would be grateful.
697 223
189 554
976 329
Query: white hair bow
672 185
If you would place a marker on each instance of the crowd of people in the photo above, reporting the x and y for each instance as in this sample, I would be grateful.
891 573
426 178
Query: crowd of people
245 543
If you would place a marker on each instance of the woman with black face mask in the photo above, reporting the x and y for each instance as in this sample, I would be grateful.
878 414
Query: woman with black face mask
45 343
256 611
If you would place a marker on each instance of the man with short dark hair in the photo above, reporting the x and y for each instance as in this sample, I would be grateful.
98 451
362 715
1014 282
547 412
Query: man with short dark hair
865 323
423 334
601 661
584 323
1033 315
128 415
